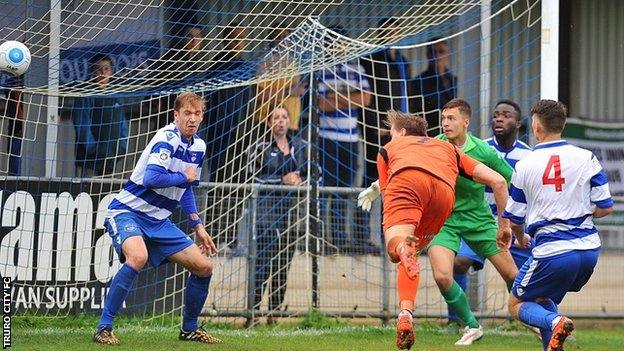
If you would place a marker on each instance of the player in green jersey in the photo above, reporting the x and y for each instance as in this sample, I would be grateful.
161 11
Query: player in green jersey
471 220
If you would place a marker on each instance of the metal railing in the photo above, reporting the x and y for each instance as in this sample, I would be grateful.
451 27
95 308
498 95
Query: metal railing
324 264
369 276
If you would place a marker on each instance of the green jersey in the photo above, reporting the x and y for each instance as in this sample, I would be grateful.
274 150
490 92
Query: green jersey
470 200
472 219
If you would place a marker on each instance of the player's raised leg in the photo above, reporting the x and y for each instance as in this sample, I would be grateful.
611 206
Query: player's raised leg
195 294
402 249
410 227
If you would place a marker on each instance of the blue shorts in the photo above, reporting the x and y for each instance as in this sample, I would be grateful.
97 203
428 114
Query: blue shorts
162 238
521 255
466 251
553 277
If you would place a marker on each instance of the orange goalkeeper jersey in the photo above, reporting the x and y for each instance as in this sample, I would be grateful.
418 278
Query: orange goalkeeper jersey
439 158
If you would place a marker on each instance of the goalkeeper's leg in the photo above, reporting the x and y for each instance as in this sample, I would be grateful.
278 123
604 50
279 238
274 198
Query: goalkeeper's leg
407 230
402 248
407 288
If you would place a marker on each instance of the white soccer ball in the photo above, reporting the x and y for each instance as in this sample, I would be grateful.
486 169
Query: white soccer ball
14 57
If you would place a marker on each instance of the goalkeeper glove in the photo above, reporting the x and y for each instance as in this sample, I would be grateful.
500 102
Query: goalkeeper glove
368 195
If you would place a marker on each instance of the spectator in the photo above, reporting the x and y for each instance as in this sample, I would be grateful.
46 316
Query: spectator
279 160
100 123
178 66
187 58
435 86
286 91
226 107
389 72
342 92
179 16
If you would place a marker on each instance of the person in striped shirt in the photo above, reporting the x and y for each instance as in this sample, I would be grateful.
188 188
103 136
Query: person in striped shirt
139 225
556 192
343 90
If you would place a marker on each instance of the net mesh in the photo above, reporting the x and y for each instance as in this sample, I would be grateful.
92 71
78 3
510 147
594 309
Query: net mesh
74 126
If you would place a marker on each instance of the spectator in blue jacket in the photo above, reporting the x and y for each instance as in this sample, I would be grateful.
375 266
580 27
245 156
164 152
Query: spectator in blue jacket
278 160
100 123
435 86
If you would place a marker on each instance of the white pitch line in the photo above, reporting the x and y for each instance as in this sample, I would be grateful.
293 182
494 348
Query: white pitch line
279 333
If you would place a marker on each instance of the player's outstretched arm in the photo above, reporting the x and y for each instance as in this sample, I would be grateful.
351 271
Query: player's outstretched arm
485 175
481 173
368 195
499 165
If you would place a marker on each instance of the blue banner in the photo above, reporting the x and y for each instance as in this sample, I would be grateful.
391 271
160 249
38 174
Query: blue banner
8 80
75 61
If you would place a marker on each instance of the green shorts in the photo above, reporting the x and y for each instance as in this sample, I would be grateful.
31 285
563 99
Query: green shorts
481 238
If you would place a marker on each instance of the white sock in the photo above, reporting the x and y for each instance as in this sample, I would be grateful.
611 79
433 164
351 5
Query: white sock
555 321
406 312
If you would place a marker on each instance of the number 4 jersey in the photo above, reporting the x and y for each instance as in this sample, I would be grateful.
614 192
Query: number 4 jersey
553 192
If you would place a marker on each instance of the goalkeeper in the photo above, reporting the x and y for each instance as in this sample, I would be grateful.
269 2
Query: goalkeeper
417 176
471 220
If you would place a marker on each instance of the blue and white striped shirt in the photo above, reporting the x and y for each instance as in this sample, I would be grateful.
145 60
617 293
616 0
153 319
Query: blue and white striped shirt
170 153
341 124
512 155
553 191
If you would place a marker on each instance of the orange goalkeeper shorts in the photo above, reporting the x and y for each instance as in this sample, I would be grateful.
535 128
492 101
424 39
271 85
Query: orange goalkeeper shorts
416 197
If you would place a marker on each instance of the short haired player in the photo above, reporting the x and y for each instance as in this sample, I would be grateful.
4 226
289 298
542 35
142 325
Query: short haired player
556 192
417 178
505 125
138 220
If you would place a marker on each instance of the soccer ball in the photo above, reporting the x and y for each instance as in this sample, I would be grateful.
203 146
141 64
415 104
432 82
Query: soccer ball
14 57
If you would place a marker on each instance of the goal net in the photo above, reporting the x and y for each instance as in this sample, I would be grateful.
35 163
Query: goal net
102 81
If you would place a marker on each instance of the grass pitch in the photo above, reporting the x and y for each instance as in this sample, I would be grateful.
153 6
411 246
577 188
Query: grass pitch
328 334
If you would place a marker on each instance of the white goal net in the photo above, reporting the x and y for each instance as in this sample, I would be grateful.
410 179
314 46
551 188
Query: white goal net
102 81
